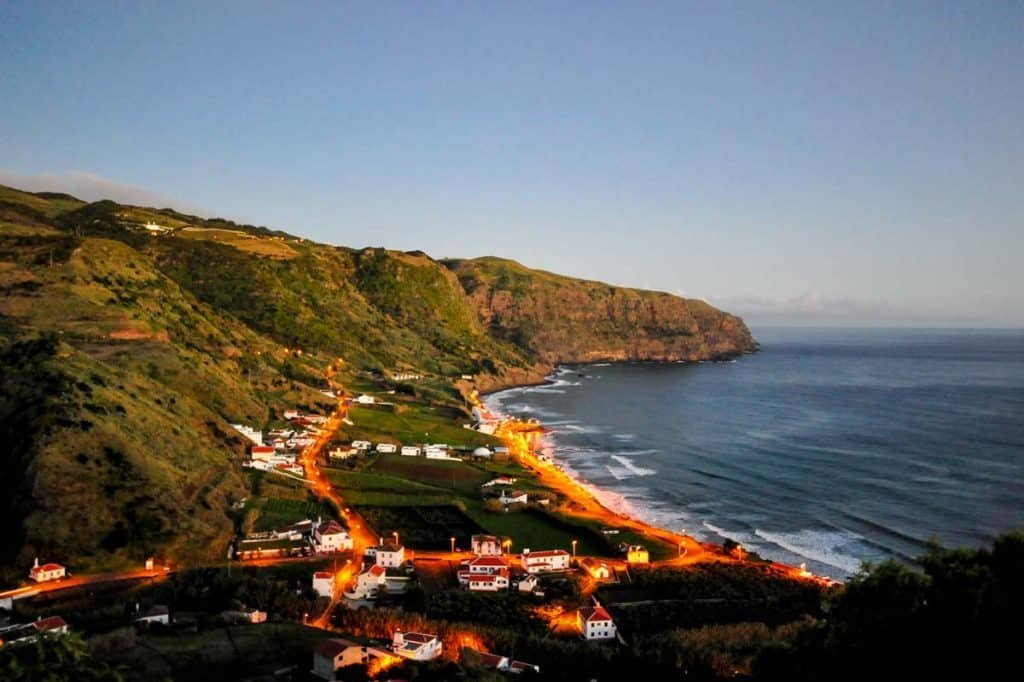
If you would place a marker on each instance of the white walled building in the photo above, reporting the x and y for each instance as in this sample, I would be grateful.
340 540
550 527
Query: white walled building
416 646
545 560
485 545
329 537
595 622
390 556
323 583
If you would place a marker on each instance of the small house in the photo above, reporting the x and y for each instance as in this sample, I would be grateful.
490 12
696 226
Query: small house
594 622
386 448
390 555
323 583
410 451
158 613
416 646
596 569
545 561
485 545
513 497
46 572
330 537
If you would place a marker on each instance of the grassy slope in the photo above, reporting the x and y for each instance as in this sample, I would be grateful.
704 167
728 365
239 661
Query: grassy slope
153 342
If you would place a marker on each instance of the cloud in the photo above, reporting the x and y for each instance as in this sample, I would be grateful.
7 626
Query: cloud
93 187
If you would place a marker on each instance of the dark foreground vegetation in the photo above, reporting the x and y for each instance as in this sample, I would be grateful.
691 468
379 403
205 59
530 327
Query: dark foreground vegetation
955 615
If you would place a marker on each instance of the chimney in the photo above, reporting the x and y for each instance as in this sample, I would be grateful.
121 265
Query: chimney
526 550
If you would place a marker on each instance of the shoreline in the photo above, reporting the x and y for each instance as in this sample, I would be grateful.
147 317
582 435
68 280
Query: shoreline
566 480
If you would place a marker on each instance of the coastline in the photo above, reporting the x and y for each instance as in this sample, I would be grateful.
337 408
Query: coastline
612 508
588 497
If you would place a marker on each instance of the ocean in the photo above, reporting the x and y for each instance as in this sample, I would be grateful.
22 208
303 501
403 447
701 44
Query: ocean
830 446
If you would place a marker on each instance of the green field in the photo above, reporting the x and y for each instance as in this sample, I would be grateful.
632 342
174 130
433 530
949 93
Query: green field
276 511
414 425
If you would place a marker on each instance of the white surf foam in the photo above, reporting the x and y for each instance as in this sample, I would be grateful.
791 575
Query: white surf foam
823 546
632 468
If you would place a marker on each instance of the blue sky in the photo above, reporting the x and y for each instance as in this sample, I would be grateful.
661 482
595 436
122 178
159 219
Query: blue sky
793 162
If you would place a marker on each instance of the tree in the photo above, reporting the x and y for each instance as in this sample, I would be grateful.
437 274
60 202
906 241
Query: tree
53 658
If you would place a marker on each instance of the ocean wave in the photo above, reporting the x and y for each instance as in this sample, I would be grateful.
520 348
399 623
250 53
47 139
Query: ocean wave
829 547
632 468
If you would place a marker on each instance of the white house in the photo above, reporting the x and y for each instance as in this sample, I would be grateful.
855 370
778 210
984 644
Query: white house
545 561
386 448
262 452
330 537
292 414
416 646
51 624
333 654
410 451
323 583
158 613
492 582
528 583
249 432
500 480
487 565
485 545
368 583
595 623
513 497
366 399
598 570
46 572
434 452
637 554
483 452
362 445
390 556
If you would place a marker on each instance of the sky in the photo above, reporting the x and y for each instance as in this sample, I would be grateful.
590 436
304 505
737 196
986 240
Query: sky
820 163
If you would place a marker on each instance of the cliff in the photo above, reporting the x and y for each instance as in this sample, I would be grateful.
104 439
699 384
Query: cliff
561 319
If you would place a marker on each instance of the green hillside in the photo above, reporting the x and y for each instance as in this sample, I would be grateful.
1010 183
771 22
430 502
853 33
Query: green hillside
130 338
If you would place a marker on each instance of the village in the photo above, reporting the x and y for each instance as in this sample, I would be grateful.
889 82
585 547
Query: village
357 567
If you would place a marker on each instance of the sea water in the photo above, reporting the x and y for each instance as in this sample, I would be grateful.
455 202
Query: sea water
830 447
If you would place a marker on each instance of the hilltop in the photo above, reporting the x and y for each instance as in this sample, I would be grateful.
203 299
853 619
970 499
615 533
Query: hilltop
131 337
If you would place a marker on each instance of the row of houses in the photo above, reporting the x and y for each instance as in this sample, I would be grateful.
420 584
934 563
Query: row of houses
298 539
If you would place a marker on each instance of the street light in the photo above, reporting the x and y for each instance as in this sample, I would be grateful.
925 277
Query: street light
574 548
394 534
452 539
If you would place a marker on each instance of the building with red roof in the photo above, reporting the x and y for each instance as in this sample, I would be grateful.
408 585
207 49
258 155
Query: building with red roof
595 622
46 572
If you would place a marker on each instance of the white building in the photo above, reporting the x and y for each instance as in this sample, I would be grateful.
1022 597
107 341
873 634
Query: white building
330 537
596 569
262 452
249 432
595 623
410 451
333 654
528 583
46 572
545 561
323 583
434 452
416 646
386 448
493 582
390 556
485 545
366 399
362 445
368 583
513 497
157 613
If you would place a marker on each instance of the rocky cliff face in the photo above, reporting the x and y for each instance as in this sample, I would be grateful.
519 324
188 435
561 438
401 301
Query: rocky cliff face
561 319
